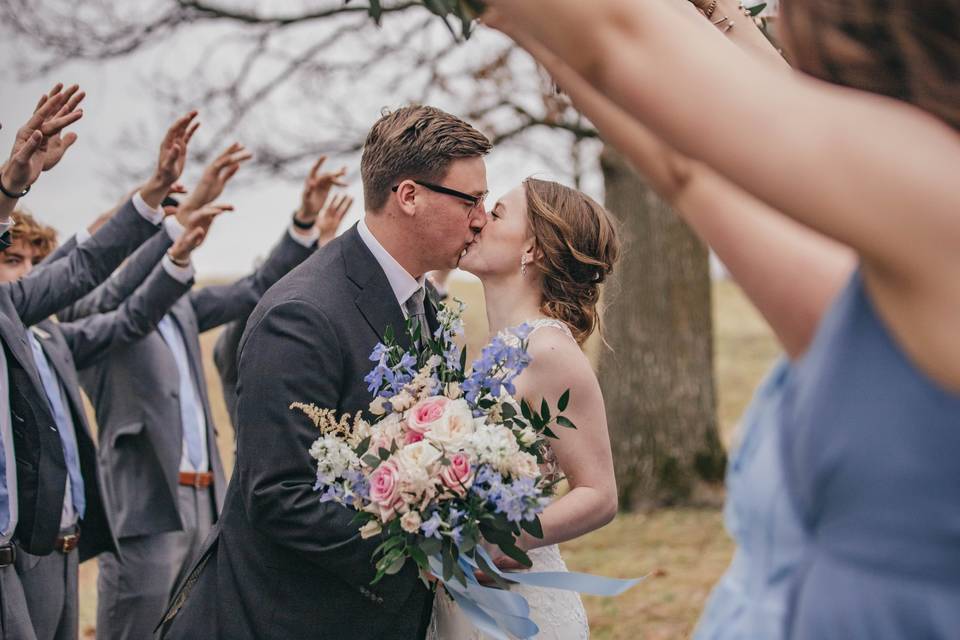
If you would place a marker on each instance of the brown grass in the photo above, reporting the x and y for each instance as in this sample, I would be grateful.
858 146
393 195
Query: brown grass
683 551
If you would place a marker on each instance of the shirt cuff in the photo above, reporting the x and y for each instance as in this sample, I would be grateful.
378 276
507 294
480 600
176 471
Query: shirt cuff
153 216
181 274
82 236
307 239
6 226
173 227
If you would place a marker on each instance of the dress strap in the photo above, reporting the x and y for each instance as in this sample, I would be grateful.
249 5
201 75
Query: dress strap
540 323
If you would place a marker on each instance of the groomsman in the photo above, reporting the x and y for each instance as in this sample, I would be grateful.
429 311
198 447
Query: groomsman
315 192
33 481
163 476
49 583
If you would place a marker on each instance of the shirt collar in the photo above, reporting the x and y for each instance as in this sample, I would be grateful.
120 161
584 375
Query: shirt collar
403 284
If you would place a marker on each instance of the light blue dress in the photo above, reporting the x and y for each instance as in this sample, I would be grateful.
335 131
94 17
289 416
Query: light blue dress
871 450
750 600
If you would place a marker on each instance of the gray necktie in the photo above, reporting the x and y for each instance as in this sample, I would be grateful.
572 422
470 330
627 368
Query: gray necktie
415 311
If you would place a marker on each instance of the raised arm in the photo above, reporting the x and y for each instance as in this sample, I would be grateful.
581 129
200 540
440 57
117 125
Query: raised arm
315 223
760 247
827 153
91 338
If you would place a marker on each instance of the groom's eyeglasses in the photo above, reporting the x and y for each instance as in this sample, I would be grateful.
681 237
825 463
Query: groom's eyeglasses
476 201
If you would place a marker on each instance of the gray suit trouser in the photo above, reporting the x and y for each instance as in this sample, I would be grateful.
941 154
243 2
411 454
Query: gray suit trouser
133 593
49 585
14 615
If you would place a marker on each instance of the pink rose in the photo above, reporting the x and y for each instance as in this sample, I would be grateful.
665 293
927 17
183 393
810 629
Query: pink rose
426 412
411 437
383 484
458 476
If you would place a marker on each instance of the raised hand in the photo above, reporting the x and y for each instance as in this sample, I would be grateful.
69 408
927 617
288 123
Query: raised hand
57 143
195 231
32 152
316 188
329 220
214 179
171 159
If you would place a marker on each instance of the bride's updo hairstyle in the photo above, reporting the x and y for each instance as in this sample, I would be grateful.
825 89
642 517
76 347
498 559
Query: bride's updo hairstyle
578 246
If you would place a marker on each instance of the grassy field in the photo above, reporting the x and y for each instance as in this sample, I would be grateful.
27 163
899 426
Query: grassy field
682 550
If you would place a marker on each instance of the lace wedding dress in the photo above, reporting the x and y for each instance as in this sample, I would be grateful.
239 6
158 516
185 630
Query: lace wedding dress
559 614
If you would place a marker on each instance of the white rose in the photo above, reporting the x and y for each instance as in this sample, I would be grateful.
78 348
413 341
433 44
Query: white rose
402 401
456 425
411 521
528 436
525 466
419 456
371 529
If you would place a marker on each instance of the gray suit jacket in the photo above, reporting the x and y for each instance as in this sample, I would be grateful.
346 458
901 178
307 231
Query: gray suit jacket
72 345
281 563
41 471
135 389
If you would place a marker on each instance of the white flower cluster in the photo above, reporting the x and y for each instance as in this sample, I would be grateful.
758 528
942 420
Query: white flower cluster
334 457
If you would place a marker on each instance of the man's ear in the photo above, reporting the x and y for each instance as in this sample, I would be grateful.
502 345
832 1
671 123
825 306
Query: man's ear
406 197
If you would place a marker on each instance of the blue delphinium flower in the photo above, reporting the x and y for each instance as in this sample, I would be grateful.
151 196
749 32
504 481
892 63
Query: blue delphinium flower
431 528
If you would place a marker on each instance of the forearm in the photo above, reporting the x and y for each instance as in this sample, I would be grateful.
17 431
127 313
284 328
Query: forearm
790 273
582 510
810 134
63 282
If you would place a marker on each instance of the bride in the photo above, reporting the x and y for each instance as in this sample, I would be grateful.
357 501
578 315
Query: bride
542 257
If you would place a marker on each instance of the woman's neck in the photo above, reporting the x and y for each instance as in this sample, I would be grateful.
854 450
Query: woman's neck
510 302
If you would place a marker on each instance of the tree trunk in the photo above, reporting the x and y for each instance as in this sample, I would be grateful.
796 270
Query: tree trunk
658 379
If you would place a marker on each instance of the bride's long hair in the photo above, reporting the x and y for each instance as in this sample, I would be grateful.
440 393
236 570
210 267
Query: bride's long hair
578 247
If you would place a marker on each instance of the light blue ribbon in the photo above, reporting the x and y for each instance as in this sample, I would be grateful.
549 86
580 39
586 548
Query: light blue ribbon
497 612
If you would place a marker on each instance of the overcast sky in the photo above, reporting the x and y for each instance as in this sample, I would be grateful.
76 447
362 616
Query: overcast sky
117 100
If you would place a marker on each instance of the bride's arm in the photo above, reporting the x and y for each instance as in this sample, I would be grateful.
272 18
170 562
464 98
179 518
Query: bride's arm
584 454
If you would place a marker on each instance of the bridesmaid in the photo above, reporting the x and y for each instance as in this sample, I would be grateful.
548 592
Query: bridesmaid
869 416
761 249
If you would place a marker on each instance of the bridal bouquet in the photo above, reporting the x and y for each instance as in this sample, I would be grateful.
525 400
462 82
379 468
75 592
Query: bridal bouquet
451 464
452 459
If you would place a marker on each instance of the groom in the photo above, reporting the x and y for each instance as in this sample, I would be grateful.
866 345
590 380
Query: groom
283 564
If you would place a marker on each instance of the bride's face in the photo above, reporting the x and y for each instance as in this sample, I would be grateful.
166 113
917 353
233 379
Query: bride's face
497 249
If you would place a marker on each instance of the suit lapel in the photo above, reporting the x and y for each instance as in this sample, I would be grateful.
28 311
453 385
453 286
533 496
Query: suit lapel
45 332
16 340
376 300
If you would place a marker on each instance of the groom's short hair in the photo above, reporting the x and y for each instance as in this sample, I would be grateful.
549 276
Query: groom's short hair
416 142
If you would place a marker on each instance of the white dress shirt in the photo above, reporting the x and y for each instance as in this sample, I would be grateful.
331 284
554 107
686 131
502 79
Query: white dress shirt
403 284
11 462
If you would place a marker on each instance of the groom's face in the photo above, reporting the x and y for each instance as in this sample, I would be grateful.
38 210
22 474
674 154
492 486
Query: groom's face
449 223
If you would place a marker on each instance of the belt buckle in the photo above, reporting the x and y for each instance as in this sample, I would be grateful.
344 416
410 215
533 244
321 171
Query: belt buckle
8 554
69 543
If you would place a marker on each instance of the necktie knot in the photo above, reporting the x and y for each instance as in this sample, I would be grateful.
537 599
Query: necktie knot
417 313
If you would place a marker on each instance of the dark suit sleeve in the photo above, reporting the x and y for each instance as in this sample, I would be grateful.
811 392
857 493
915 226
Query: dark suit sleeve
219 304
91 338
5 240
60 252
121 285
292 354
58 285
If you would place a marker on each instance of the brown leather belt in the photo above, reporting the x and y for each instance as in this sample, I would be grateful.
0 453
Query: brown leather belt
196 480
67 543
8 554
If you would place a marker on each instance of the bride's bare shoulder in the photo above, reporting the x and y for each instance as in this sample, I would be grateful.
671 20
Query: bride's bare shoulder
557 362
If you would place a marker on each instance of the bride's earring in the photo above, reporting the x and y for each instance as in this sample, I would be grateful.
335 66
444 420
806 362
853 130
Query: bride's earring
523 265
